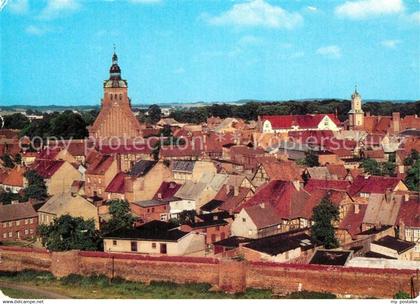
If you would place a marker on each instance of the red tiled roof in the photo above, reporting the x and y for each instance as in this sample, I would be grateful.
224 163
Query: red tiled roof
373 184
14 177
230 201
49 153
126 149
281 195
314 184
352 221
100 164
47 168
377 153
339 170
302 121
166 190
263 215
281 170
117 184
409 213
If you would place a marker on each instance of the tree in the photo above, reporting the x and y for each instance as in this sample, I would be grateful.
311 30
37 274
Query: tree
323 230
16 121
412 179
402 295
36 188
412 158
68 125
371 166
7 161
311 159
121 216
388 168
187 217
166 131
154 113
70 233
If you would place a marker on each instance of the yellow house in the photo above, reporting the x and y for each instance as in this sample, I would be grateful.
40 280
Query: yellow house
67 203
58 175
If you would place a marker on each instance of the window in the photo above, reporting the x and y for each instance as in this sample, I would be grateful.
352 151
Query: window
134 246
31 231
26 221
31 221
213 238
153 209
100 191
163 248
120 96
217 228
4 225
114 243
243 219
154 245
26 232
10 234
10 224
111 96
17 223
4 235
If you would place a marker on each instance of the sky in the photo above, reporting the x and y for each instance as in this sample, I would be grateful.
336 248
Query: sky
59 51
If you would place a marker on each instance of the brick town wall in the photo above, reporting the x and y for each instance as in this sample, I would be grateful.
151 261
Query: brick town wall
228 275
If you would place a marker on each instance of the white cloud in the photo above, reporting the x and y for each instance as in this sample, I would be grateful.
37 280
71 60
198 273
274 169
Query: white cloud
391 44
54 8
257 13
312 8
18 6
36 30
363 9
331 51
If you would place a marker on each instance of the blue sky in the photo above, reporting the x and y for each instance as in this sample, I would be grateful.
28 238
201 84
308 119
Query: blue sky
59 51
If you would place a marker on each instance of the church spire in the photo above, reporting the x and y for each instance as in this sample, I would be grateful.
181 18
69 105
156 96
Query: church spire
115 71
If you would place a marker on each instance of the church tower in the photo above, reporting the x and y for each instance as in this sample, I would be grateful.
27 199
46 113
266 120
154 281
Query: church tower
115 118
356 114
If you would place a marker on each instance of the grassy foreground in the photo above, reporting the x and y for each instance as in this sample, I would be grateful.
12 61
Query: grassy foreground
100 287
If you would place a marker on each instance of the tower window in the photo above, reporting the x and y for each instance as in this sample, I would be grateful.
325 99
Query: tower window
120 96
111 96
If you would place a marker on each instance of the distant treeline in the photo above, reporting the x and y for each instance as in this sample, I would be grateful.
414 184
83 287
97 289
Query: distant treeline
251 110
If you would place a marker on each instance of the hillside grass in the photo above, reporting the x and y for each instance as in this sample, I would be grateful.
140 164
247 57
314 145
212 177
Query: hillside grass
101 287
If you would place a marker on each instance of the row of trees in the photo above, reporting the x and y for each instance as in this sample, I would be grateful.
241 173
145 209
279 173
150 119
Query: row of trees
66 124
251 109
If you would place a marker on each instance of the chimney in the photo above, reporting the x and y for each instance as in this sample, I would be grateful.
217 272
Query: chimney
262 205
406 197
388 195
356 209
296 183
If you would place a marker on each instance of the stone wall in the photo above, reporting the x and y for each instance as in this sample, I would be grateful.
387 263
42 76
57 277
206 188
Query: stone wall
227 275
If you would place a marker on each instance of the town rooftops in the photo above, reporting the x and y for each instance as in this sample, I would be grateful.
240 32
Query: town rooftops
142 167
330 257
47 168
13 212
313 184
167 190
398 245
409 213
382 209
183 166
279 243
232 242
14 177
373 184
211 205
100 164
152 231
150 203
308 121
117 184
